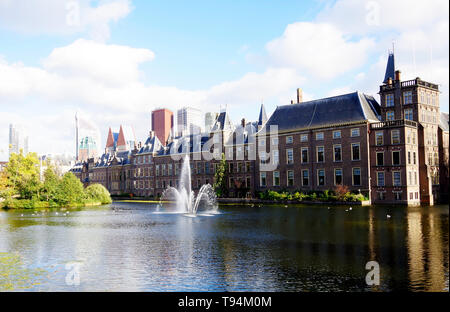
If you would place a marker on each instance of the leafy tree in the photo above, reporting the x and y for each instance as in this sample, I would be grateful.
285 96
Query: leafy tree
23 174
70 190
98 192
220 185
51 184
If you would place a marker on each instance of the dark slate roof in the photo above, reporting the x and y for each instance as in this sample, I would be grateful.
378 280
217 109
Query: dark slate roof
152 145
223 122
243 134
262 116
390 68
189 142
347 108
443 122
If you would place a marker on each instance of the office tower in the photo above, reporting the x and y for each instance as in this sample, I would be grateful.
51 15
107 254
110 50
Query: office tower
162 124
189 121
210 119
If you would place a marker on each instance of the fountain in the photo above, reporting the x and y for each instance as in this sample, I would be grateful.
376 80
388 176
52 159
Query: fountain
183 199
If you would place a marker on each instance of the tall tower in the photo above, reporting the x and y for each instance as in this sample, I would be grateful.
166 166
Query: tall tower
418 101
162 124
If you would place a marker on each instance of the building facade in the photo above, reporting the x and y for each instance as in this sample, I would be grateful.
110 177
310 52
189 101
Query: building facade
189 121
395 152
162 124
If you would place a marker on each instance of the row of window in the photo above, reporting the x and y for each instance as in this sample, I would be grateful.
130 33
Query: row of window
395 137
398 195
305 177
396 178
337 134
425 98
320 154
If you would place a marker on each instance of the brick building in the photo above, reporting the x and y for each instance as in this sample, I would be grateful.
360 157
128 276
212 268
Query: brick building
395 152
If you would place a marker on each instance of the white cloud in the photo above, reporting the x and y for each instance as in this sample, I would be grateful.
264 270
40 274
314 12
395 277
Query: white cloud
321 49
63 17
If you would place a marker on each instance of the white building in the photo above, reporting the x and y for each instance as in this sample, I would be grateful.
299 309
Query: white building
210 119
18 140
189 121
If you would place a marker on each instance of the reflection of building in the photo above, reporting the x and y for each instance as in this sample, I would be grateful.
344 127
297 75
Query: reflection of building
162 124
210 119
17 140
189 121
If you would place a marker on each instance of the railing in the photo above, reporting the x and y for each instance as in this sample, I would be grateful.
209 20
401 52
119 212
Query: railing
393 123
410 83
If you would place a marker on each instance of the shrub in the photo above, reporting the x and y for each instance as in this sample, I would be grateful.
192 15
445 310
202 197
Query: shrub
342 192
97 192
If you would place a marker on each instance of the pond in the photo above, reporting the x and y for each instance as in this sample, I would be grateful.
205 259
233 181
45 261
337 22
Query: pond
130 247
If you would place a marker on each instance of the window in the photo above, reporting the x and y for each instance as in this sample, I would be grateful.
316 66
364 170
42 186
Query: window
398 195
262 142
390 115
304 138
337 176
289 140
275 141
304 154
395 136
380 178
396 158
381 196
356 151
380 158
290 178
319 136
290 156
337 152
379 138
407 97
321 177
414 158
337 134
408 114
276 178
396 178
262 180
354 132
389 100
320 154
276 157
356 176
305 177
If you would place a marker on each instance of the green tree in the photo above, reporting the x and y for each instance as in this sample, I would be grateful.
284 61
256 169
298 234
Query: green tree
98 192
220 185
23 175
51 184
70 190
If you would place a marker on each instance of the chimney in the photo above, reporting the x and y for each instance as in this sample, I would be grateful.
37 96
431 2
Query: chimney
299 95
243 122
390 81
151 134
292 101
397 75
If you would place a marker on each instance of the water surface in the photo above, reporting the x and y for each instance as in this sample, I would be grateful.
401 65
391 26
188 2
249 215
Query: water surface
129 247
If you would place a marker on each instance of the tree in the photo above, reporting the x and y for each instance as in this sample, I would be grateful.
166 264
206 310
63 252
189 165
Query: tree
51 184
70 190
98 192
220 185
23 175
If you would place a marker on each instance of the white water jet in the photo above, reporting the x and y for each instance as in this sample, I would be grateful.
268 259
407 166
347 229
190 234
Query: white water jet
183 199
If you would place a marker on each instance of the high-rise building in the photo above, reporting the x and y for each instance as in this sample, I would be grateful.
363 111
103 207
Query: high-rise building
210 119
18 140
162 124
189 121
87 149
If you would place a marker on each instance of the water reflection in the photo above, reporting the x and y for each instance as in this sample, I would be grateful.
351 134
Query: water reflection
129 248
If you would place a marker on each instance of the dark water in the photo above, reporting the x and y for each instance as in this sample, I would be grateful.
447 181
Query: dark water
127 247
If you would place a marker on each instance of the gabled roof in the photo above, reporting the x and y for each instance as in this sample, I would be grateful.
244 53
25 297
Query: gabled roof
342 109
187 144
390 68
443 122
152 145
241 135
223 122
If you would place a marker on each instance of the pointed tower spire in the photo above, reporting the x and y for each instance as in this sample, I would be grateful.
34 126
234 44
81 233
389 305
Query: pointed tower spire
110 140
390 68
262 116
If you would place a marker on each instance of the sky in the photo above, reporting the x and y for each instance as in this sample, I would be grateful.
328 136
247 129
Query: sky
114 61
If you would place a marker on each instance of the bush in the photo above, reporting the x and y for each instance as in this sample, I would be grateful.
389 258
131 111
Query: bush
98 193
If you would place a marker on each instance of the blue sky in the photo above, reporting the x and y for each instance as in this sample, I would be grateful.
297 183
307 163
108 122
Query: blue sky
123 58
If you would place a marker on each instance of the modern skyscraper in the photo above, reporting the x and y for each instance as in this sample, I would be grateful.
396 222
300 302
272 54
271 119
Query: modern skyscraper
189 121
162 124
210 119
17 140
